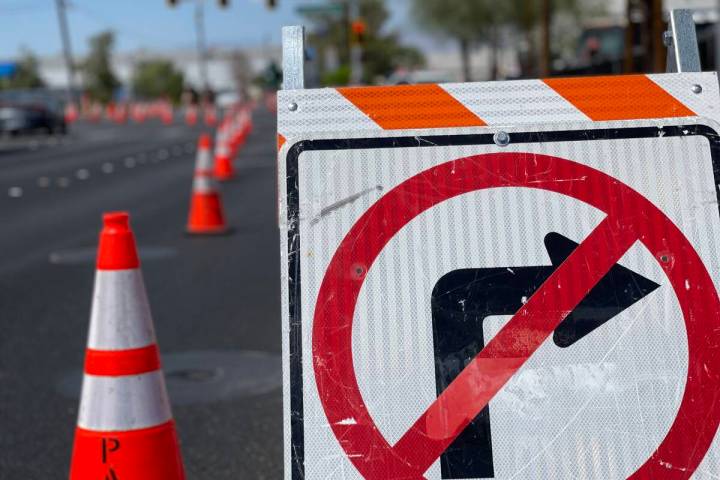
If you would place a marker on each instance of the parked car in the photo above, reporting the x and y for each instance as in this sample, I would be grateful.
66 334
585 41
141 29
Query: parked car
31 111
16 118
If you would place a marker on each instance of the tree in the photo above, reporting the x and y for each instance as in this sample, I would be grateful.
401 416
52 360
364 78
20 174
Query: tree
467 22
157 78
26 75
100 81
482 21
382 51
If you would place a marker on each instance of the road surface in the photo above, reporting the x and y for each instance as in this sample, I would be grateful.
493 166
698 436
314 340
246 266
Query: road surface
215 300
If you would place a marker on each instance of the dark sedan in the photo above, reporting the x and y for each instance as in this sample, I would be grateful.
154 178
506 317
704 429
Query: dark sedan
21 118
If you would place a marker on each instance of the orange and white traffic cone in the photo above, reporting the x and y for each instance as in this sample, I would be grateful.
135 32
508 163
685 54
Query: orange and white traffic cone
125 427
206 211
210 116
223 157
191 115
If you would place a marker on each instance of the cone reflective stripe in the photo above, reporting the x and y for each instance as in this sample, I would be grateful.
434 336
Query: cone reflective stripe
223 157
125 427
206 215
204 160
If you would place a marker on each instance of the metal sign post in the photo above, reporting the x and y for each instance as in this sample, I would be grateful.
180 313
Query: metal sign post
293 53
681 40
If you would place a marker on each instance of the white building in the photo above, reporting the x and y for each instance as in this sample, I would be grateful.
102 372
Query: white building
219 65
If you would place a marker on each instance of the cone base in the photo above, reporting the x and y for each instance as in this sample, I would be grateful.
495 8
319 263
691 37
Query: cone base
206 215
224 170
145 454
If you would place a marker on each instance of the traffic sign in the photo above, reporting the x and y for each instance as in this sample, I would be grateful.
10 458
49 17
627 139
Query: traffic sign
464 300
8 69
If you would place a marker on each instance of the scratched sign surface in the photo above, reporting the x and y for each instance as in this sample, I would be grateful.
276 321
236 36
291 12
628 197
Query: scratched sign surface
506 280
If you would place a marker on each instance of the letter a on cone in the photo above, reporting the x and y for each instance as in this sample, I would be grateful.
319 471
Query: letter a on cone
125 428
206 211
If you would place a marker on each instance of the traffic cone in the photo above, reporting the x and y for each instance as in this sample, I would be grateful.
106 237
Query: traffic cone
125 427
191 115
210 116
223 157
206 212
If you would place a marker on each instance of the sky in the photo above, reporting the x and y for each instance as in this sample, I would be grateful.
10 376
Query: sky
150 24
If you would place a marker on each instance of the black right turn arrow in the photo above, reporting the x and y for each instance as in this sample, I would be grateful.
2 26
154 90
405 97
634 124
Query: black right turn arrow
462 299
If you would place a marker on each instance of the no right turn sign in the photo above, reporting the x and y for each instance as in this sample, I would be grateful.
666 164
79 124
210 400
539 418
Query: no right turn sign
472 301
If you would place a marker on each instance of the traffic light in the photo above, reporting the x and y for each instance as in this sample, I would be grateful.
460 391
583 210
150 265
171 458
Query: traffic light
271 4
171 3
224 3
359 28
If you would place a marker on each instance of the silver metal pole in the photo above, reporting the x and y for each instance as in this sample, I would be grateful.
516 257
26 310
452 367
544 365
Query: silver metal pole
67 50
681 40
293 57
201 48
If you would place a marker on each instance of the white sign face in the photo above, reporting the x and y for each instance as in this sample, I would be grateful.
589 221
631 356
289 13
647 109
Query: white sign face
535 302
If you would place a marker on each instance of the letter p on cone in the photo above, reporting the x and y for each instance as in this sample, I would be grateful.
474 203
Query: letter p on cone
125 427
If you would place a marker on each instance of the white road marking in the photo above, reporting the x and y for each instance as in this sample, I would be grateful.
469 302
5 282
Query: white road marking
82 174
107 167
15 192
129 162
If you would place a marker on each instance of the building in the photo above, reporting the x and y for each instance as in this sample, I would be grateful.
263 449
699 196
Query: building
219 65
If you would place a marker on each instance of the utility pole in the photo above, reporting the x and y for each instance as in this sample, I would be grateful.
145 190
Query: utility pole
202 51
356 66
656 29
645 27
545 19
67 51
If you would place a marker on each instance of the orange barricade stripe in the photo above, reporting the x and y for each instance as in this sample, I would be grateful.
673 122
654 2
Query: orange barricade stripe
411 106
114 363
623 97
280 141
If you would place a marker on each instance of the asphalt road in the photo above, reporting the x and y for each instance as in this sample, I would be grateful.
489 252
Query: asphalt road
215 300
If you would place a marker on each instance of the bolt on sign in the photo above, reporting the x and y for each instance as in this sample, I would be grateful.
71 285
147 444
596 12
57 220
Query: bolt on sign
502 280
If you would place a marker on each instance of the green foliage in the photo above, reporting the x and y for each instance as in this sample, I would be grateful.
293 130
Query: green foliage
460 19
337 77
100 81
156 79
26 76
382 51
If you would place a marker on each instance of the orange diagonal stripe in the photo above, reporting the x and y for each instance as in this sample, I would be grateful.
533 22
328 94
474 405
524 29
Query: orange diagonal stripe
280 141
623 97
411 106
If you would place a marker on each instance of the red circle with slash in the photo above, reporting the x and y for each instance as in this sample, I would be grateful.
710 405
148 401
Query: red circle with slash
630 218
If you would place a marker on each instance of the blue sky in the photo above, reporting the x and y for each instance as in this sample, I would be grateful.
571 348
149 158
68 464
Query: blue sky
150 23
